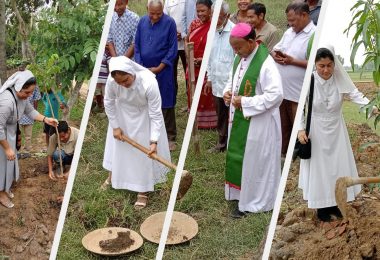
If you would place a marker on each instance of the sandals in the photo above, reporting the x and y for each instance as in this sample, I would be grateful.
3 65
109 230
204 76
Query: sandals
7 203
10 195
106 184
141 201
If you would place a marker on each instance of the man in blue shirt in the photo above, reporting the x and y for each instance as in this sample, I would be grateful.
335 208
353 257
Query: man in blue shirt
120 42
156 49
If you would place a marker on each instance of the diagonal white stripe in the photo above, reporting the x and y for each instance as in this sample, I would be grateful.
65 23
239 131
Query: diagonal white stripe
83 126
189 128
301 103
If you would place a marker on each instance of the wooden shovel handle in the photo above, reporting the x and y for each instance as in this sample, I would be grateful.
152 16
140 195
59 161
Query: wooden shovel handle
146 151
364 180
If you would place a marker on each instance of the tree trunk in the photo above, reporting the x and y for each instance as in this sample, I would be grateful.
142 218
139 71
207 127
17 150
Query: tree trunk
3 58
23 30
74 94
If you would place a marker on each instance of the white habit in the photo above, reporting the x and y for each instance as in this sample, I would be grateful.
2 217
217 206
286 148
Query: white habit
137 111
262 157
331 152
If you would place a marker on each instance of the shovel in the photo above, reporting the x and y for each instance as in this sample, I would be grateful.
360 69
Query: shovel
186 178
341 186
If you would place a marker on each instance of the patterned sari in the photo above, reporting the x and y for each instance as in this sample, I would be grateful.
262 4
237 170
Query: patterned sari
206 113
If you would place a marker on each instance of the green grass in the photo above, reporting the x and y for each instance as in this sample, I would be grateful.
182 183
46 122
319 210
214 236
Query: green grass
361 77
352 114
219 237
275 11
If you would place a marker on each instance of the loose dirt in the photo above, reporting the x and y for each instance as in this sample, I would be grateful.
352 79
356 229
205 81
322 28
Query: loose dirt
27 230
299 235
121 242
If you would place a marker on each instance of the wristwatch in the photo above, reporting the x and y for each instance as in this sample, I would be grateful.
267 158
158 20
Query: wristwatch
153 142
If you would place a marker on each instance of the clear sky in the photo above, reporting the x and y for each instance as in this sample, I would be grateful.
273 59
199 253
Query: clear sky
337 19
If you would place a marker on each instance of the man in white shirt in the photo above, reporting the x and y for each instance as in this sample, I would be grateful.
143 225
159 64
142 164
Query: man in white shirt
175 9
221 59
290 55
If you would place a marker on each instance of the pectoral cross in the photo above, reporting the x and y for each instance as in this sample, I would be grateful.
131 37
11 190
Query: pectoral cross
327 101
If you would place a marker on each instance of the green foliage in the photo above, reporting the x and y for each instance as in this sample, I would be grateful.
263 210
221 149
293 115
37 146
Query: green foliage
366 21
45 72
27 9
14 63
72 30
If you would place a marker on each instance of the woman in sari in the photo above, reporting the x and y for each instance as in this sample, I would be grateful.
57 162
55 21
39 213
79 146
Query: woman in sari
206 113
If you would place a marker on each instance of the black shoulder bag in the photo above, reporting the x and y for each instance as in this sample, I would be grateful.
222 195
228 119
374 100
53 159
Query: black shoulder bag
303 151
18 132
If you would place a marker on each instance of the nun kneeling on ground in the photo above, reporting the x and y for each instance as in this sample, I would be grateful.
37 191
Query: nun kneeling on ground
13 105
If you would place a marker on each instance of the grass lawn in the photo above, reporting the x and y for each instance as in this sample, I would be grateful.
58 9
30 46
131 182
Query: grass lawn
351 115
219 236
360 77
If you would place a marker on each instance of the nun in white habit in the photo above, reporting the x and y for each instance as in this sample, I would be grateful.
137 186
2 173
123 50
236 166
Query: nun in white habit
331 154
13 105
133 106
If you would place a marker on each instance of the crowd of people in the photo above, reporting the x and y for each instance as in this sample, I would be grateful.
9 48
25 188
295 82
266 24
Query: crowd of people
250 93
250 96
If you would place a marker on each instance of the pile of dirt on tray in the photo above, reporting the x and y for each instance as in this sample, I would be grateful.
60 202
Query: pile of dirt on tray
299 235
121 242
27 230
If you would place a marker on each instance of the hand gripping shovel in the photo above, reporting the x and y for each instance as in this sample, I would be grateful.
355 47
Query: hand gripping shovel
341 186
186 178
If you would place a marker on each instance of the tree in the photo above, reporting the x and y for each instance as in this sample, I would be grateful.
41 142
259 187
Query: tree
3 58
22 17
366 21
341 59
72 31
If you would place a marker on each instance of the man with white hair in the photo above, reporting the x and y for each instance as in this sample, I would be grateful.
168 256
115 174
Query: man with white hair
221 59
156 49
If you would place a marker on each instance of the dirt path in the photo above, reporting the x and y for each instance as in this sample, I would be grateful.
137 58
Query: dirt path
299 234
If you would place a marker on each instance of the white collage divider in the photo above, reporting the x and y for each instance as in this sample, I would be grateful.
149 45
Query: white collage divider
83 126
189 128
289 154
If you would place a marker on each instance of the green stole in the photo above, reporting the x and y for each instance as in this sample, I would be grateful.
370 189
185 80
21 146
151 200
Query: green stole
240 125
